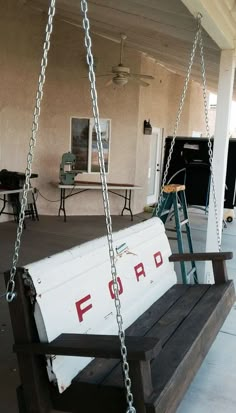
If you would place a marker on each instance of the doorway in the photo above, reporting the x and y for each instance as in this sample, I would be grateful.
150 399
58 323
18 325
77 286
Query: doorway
154 167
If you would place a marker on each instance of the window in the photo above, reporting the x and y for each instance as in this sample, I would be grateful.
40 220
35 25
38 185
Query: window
84 143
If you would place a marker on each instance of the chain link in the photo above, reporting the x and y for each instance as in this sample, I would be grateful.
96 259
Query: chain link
10 290
210 152
179 113
197 40
92 79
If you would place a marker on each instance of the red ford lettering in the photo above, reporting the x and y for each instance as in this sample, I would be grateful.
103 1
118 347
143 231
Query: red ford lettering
139 271
158 259
110 286
83 310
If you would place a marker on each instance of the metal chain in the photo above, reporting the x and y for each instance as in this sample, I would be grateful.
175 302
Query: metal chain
10 290
92 79
210 152
179 113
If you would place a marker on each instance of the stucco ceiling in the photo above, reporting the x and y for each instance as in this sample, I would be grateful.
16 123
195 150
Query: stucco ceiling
163 29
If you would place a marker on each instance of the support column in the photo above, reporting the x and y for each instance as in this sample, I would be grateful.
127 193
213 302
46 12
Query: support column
220 153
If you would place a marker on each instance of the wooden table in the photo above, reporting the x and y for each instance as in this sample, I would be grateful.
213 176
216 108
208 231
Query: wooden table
79 187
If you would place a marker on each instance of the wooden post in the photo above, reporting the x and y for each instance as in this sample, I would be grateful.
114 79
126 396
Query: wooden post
220 272
221 142
34 393
141 383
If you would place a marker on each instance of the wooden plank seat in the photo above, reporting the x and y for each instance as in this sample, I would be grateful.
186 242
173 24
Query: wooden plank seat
166 343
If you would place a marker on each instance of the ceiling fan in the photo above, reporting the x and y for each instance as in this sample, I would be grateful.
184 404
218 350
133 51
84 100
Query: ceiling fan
121 74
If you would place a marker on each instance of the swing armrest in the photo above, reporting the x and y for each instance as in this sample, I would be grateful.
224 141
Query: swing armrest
202 256
92 345
218 262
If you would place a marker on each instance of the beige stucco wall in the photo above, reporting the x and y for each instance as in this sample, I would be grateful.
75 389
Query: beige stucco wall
160 103
67 94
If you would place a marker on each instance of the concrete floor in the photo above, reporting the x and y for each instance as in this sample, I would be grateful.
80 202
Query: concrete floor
213 389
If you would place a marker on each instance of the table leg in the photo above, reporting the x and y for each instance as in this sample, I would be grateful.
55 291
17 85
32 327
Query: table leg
35 211
62 203
16 206
127 204
16 209
4 203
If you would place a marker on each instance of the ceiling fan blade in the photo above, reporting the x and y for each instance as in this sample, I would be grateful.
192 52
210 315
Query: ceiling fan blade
142 76
139 81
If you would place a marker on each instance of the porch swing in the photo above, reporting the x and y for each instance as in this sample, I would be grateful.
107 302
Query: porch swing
164 331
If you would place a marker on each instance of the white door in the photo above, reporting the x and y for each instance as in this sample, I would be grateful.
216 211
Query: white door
154 167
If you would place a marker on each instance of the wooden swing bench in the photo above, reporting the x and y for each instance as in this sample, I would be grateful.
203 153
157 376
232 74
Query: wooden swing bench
167 339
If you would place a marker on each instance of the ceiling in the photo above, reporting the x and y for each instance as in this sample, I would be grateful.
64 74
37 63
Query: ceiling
163 29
